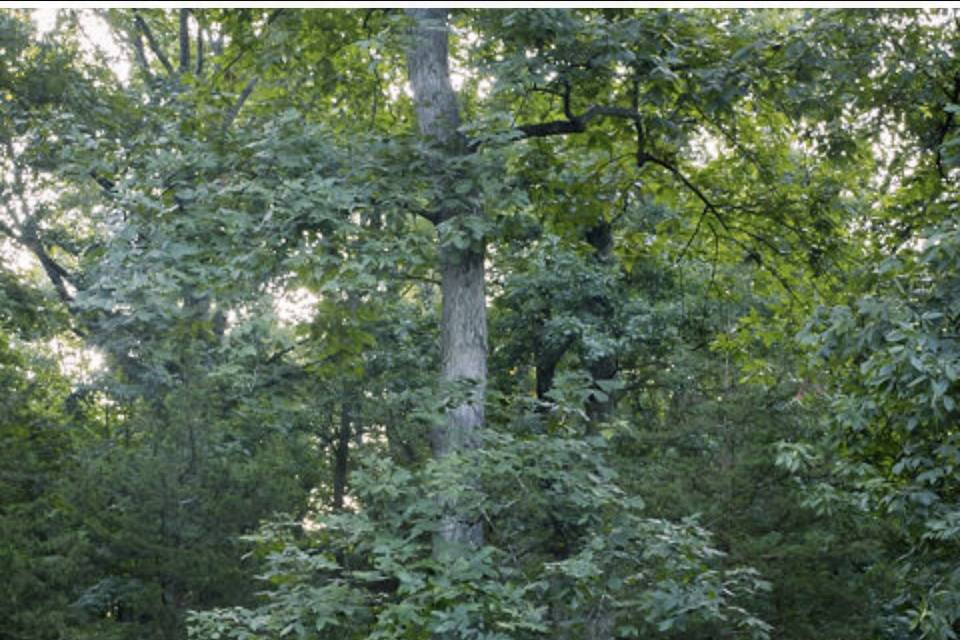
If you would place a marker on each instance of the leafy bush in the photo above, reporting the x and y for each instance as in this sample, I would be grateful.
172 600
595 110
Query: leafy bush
567 553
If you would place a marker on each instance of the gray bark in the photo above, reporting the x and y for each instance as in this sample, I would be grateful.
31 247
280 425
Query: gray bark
438 116
463 325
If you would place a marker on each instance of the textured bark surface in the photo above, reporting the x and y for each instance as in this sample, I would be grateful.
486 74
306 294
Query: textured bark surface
463 345
438 115
464 325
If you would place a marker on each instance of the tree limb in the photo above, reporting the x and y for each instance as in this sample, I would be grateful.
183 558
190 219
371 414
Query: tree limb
273 16
235 110
944 129
708 204
216 45
56 273
715 212
552 128
152 41
105 183
574 123
696 232
140 55
578 124
199 50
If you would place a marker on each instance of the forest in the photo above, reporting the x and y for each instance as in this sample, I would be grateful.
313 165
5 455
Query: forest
464 324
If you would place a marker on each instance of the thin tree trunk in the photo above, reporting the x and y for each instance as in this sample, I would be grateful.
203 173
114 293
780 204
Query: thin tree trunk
349 423
342 450
463 326
600 624
600 237
184 41
546 360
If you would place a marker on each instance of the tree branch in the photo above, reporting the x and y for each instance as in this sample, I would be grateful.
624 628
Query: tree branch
273 16
140 55
715 212
693 236
105 183
552 128
708 204
944 130
235 110
574 123
152 41
56 273
578 124
216 45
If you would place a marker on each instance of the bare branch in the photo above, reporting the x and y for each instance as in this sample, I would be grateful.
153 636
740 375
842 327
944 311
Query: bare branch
105 183
152 41
718 216
552 128
944 130
577 124
693 236
273 16
58 276
235 110
141 56
708 204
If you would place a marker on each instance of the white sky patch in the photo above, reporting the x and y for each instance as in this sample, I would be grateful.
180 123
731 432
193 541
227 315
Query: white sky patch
96 36
295 306
44 19
16 258
459 73
705 147
99 36
79 363
395 90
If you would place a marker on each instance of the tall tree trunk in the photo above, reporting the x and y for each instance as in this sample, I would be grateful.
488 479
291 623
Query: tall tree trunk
600 624
349 421
464 324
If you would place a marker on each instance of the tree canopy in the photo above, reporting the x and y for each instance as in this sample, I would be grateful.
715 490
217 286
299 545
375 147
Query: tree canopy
594 323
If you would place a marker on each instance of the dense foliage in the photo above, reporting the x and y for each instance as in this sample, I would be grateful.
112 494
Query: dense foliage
534 323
